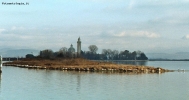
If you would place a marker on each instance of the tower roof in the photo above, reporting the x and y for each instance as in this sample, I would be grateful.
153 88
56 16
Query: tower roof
71 49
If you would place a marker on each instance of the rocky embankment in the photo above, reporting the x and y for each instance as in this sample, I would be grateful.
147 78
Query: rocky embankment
82 65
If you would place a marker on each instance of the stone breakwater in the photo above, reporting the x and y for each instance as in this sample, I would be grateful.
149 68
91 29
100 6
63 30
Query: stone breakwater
95 68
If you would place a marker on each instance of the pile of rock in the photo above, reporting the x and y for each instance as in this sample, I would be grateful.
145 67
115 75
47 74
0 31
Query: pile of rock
93 68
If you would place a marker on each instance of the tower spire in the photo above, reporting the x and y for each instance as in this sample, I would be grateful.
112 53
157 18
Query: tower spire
79 47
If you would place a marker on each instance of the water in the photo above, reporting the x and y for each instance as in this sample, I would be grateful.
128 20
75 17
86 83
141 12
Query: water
24 84
171 65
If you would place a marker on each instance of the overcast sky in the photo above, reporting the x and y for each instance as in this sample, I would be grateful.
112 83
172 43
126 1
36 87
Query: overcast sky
152 26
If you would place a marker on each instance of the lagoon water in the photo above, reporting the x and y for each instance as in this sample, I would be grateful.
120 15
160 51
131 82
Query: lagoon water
25 84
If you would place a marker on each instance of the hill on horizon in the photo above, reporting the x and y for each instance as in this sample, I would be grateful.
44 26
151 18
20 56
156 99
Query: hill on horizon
178 55
8 52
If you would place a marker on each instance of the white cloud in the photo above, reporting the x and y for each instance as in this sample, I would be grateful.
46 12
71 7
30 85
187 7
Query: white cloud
17 28
186 36
186 0
131 4
1 30
138 34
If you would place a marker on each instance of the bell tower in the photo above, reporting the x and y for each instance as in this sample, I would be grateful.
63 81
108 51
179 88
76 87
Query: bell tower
78 47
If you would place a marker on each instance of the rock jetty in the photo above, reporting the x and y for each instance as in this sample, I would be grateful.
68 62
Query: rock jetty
82 65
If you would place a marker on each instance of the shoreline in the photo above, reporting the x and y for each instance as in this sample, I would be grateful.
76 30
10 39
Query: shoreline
79 64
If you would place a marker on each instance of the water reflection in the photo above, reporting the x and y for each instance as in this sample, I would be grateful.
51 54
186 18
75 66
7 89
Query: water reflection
78 82
27 84
129 62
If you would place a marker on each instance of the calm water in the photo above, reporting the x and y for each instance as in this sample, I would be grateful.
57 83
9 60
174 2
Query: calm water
24 84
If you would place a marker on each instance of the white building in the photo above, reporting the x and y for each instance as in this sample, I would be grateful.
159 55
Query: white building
78 47
71 50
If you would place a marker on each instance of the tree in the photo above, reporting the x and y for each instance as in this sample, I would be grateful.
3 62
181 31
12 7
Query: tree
138 53
115 54
108 54
47 53
93 49
125 55
104 53
142 57
134 54
63 52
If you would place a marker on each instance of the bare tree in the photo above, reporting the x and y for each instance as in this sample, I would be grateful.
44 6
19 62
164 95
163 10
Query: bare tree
125 54
107 53
93 49
47 53
138 53
134 55
63 50
104 51
115 53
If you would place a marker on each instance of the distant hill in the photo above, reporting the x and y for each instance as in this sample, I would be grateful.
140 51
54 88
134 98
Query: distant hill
8 52
178 55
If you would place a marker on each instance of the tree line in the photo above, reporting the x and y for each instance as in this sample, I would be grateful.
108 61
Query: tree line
107 54
62 53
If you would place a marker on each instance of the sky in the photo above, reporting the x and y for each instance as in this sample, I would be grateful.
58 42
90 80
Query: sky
151 26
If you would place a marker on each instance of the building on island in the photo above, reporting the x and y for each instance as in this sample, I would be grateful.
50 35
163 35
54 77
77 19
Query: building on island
78 47
71 49
72 52
63 52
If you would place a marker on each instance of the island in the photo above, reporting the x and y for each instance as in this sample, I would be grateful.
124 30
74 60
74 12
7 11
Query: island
80 64
70 60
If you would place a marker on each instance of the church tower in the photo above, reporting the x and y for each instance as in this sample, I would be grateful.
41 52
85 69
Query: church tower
79 47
